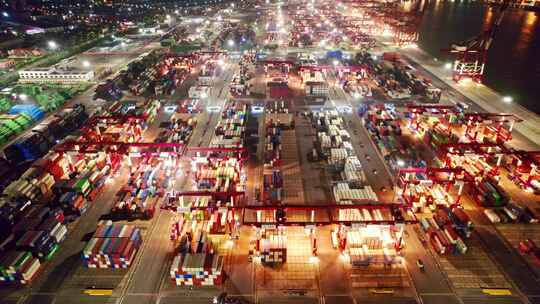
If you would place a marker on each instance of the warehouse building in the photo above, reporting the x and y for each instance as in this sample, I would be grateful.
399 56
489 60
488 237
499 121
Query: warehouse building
41 75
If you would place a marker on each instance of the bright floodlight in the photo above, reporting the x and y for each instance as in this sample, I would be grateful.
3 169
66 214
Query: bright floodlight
23 96
230 42
401 163
313 260
508 99
221 62
335 62
52 44
86 64
448 65
5 14
356 95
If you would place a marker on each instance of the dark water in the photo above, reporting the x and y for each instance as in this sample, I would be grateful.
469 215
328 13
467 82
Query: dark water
514 58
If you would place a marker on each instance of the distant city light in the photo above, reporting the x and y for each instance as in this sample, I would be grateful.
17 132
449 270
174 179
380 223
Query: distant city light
448 65
86 64
5 14
230 42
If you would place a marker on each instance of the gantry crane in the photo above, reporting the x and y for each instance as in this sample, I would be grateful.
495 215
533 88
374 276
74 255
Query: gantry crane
471 55
441 176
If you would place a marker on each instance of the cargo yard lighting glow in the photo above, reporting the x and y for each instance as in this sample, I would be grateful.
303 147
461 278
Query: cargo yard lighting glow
507 99
5 14
448 65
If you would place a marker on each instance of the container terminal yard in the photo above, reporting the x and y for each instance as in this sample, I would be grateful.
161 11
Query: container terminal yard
308 153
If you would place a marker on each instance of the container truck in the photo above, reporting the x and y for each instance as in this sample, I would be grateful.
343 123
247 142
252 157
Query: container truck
199 92
317 89
492 216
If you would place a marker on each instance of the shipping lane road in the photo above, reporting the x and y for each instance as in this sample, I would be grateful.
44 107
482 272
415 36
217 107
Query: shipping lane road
377 173
431 284
152 265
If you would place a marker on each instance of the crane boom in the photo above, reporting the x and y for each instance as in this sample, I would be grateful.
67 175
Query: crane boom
471 55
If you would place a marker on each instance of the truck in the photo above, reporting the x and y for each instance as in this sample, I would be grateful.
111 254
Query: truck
316 89
492 216
199 92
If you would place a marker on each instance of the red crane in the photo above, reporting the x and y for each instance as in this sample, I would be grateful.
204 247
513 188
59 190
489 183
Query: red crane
442 176
395 214
492 122
471 55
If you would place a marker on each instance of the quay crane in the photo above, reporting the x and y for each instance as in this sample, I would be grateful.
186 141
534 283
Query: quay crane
471 55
